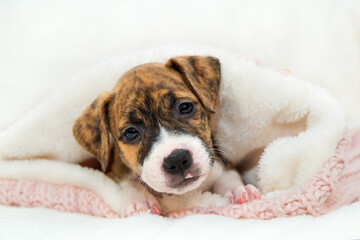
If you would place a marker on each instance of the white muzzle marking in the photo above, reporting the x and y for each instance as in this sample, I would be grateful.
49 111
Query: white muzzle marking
152 172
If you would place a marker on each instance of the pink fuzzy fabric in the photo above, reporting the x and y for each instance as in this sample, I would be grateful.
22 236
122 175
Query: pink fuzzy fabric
336 184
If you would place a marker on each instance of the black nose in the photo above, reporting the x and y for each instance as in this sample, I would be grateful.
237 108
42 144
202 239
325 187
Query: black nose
177 162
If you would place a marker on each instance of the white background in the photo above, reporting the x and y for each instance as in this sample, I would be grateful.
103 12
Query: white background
45 43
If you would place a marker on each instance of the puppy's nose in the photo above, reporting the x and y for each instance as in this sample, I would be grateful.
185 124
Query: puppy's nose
177 162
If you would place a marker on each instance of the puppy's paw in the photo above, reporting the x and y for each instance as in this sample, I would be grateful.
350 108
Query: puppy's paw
242 194
138 206
230 186
136 202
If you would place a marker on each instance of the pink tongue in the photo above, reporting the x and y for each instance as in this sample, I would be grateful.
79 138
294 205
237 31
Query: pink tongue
188 175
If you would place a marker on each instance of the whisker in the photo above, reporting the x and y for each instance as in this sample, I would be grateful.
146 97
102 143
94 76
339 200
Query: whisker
141 186
224 156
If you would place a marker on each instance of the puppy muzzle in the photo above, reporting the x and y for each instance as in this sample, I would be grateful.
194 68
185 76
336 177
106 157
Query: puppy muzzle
176 164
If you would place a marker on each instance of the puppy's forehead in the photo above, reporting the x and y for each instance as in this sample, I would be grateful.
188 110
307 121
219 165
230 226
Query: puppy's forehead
147 88
149 75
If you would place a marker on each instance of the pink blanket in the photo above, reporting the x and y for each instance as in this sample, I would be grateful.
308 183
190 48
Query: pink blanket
336 184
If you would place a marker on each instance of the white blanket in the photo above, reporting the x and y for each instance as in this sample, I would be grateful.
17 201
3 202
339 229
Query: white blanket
25 223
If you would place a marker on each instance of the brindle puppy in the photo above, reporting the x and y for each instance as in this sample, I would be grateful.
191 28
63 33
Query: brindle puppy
157 124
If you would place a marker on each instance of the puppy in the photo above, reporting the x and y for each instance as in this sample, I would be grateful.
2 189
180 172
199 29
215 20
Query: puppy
153 134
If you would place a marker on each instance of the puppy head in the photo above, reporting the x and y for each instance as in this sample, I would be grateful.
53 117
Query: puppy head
159 119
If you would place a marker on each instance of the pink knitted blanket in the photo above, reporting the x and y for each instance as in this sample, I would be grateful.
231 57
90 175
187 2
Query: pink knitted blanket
336 184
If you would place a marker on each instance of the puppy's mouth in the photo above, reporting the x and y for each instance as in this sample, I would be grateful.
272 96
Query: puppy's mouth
186 182
176 184
183 184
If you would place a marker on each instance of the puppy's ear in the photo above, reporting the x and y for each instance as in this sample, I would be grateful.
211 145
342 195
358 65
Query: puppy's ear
202 75
91 129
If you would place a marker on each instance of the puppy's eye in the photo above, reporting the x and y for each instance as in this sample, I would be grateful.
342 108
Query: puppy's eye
131 134
185 108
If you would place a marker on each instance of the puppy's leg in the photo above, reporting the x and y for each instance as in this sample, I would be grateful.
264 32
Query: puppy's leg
137 200
230 185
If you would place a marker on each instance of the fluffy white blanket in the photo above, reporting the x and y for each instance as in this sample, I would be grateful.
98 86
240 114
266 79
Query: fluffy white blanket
257 98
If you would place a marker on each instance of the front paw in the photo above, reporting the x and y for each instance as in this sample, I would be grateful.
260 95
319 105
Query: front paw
135 202
242 194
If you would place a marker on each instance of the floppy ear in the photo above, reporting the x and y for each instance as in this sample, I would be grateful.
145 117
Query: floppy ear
202 75
91 129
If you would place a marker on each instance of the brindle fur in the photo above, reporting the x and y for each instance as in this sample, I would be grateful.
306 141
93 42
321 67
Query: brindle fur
146 97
